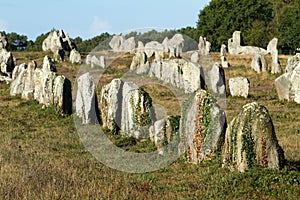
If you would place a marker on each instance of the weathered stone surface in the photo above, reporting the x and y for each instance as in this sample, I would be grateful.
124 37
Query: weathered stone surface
153 48
86 100
111 104
138 61
93 61
17 70
137 113
259 63
239 87
75 57
195 57
223 53
117 42
165 132
58 43
7 62
178 72
272 48
283 85
216 80
38 84
18 84
204 46
202 127
62 93
251 141
48 65
175 46
28 91
234 46
3 42
292 63
288 84
120 44
141 47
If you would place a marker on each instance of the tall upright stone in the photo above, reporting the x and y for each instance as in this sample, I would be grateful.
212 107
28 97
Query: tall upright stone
28 91
216 80
202 127
272 48
251 141
86 100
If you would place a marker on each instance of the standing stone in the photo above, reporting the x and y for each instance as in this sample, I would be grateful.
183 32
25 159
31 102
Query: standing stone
18 84
28 91
3 41
47 88
86 100
294 92
111 104
239 87
117 42
234 43
48 65
259 63
140 64
137 113
17 70
129 45
201 127
62 93
292 63
272 48
223 52
195 57
207 47
75 57
140 47
216 80
165 43
7 63
283 85
201 45
38 84
152 47
251 141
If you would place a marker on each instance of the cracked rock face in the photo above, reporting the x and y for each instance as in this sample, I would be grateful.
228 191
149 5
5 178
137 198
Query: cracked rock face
288 84
202 127
239 87
251 141
86 100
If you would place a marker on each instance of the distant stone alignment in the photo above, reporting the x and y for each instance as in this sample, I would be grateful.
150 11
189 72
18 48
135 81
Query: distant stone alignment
43 85
58 43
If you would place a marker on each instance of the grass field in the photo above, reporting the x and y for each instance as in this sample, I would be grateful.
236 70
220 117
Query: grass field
42 156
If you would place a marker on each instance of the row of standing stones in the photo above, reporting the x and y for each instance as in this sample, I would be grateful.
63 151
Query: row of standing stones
200 131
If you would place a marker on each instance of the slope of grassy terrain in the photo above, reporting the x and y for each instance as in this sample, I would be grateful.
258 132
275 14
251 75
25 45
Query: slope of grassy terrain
42 156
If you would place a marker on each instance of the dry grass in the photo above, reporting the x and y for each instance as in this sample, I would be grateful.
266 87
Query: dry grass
42 157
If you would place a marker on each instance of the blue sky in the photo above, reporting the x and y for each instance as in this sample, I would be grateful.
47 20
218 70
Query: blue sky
88 18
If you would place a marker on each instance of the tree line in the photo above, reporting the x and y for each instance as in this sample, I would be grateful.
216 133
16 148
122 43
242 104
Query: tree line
258 20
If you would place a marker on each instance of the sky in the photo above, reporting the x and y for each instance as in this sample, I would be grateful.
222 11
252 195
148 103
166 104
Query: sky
89 18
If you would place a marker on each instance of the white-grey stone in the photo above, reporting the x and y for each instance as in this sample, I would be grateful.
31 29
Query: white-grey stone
58 43
3 42
48 65
234 46
111 104
28 91
153 47
259 63
160 132
292 63
239 87
137 113
62 94
272 48
120 44
75 57
86 104
201 127
17 85
195 57
17 70
7 63
283 85
216 80
177 72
